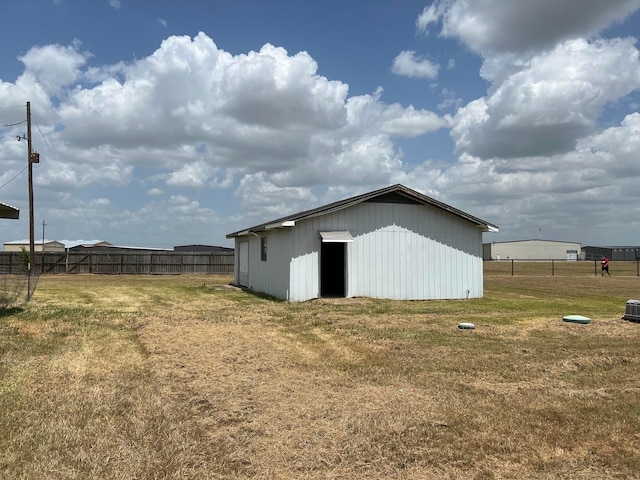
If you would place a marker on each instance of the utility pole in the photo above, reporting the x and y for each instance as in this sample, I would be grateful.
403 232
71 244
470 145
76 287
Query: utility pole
32 157
32 255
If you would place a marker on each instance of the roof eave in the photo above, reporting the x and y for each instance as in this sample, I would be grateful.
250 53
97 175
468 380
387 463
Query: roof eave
8 212
349 202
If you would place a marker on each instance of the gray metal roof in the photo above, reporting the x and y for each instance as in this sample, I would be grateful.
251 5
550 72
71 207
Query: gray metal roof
619 247
7 211
398 189
531 240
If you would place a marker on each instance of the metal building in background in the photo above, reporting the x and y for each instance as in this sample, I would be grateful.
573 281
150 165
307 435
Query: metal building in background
612 253
41 246
531 250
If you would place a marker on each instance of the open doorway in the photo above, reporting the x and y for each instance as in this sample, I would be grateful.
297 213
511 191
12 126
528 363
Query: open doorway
332 269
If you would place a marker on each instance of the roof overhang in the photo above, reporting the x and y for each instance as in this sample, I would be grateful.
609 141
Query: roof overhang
9 212
243 233
288 223
270 226
336 237
384 193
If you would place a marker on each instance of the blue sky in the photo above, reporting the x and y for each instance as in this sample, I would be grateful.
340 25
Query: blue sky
166 122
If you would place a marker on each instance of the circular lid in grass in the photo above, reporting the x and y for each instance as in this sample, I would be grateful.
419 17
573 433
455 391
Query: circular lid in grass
466 326
576 319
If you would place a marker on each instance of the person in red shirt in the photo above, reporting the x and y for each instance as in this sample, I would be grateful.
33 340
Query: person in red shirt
605 265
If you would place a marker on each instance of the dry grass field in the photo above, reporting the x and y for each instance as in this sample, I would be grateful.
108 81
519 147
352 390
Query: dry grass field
149 377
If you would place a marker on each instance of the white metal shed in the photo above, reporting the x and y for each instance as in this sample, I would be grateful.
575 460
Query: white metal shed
390 243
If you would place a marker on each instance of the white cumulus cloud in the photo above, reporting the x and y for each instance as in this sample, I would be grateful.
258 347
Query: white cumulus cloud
408 64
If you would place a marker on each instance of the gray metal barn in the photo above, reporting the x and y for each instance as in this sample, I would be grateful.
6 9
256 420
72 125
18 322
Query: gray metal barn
613 253
390 243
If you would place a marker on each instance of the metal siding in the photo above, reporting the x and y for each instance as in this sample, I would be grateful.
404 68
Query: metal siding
412 252
304 278
242 277
405 252
532 250
236 270
278 261
270 277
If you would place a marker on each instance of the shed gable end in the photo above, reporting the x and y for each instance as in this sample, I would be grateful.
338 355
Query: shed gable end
393 197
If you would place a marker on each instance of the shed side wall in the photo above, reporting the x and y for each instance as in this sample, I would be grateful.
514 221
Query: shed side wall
270 276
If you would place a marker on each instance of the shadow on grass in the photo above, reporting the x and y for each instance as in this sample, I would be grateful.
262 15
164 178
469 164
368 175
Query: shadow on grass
262 296
8 311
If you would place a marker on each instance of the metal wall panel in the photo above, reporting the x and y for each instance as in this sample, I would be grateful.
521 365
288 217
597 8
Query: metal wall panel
270 276
305 262
399 251
242 264
532 250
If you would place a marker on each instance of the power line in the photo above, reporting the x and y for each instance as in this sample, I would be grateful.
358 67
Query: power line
53 158
14 177
13 124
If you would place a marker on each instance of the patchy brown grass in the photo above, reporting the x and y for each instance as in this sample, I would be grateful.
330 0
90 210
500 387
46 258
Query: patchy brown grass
184 377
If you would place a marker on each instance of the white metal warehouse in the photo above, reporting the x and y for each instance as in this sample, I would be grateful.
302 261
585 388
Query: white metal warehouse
38 246
531 250
390 243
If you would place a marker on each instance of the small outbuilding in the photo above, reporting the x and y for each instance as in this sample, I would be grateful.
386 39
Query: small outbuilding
391 243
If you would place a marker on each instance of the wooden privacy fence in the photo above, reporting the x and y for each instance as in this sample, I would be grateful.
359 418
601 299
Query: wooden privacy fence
149 263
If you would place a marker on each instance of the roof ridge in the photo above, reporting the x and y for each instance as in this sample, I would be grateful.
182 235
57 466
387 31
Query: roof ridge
347 202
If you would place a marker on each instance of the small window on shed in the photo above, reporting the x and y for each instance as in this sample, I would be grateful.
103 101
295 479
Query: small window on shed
263 249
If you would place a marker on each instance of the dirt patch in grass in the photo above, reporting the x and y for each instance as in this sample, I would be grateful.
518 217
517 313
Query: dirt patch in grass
264 394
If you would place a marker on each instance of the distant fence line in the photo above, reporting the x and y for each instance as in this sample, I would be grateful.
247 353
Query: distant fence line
149 263
554 267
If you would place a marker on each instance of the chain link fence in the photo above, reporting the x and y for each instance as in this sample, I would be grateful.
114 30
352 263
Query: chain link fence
622 268
16 288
